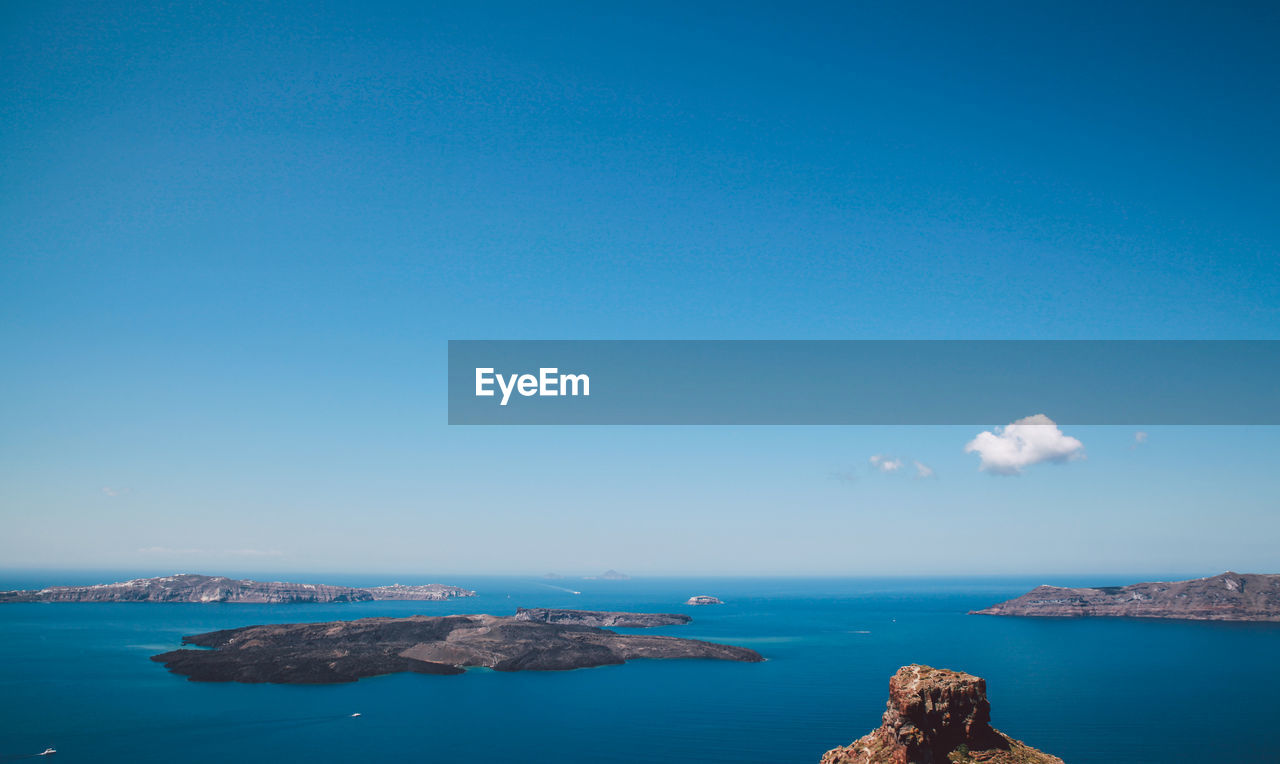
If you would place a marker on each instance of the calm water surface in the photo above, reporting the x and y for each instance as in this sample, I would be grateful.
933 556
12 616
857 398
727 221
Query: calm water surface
77 677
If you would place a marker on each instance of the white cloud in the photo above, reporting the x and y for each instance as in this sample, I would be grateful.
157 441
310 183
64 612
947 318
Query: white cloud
885 464
923 470
1031 440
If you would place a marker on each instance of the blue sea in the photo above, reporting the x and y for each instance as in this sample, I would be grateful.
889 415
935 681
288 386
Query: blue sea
77 677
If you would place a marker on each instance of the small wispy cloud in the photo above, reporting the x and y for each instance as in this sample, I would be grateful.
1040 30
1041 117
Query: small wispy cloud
885 464
166 551
888 465
113 491
170 551
1031 440
849 476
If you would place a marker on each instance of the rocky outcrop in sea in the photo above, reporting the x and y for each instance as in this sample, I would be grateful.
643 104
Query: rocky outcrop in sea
936 716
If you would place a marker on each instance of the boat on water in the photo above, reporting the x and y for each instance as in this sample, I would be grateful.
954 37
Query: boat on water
47 752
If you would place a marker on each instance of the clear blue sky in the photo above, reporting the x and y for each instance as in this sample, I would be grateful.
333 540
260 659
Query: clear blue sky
236 239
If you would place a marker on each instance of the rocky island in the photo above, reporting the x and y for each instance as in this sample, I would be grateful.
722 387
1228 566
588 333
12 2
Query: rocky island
601 619
189 587
703 599
1226 597
936 716
416 592
345 651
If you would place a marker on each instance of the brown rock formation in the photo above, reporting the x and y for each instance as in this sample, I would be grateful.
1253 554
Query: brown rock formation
936 716
1226 597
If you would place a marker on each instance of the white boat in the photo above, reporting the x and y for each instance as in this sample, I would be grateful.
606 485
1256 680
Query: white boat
47 752
355 715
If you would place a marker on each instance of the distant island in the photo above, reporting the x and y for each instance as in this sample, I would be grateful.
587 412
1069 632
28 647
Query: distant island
1226 597
345 651
608 575
189 587
935 716
601 619
703 599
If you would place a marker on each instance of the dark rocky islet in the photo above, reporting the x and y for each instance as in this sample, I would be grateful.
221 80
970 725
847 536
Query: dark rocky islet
345 651
600 618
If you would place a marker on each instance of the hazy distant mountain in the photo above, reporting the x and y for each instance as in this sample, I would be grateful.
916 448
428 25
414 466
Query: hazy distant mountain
609 575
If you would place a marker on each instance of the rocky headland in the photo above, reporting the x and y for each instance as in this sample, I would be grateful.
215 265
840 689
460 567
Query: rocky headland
1226 597
600 619
189 587
344 651
936 716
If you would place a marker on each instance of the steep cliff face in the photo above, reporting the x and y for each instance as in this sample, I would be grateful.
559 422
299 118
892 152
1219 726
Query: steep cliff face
936 716
187 587
418 592
1226 597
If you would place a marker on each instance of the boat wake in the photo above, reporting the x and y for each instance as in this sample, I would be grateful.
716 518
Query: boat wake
560 588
